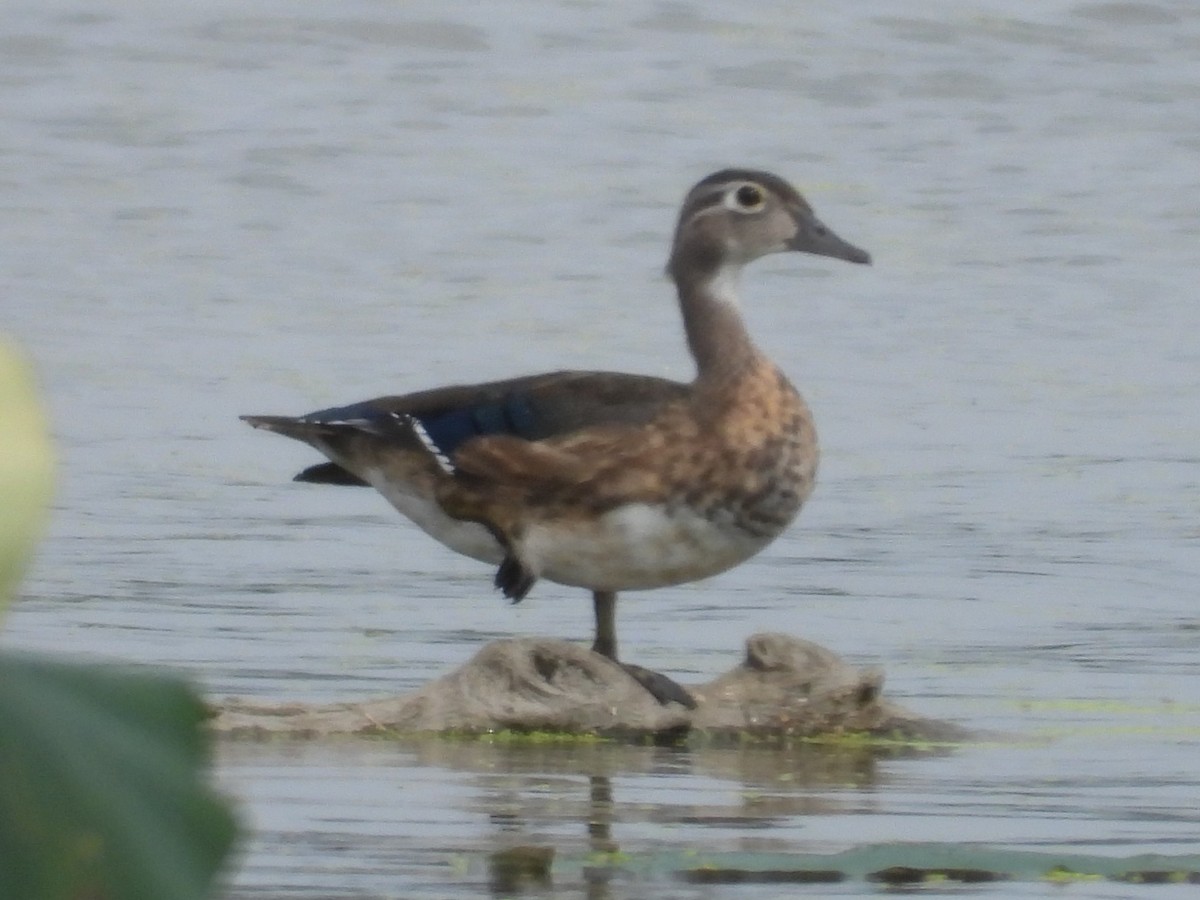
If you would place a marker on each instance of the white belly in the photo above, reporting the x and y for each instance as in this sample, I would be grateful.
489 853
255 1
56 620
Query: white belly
468 538
633 547
637 546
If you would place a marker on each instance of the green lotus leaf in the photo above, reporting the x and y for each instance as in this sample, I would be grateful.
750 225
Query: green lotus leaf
102 785
26 469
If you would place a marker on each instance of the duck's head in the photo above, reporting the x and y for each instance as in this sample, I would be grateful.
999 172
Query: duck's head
734 216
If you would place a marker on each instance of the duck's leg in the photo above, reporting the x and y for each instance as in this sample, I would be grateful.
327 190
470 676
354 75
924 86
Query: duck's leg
605 603
660 687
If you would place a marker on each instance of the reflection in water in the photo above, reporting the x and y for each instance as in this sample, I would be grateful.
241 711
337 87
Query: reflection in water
519 816
600 806
772 785
514 870
752 765
587 794
600 839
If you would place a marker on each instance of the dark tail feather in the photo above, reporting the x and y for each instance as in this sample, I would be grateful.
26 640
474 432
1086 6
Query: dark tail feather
330 473
282 424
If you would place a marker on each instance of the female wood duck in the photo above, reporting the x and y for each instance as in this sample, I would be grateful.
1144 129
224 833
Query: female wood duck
603 480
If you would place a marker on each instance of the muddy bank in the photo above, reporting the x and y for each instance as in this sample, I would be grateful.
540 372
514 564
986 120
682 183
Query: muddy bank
782 687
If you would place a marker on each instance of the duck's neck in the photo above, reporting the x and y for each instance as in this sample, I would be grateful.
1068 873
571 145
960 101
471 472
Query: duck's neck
712 319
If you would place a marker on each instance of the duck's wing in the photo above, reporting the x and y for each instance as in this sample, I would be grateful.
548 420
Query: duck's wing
521 410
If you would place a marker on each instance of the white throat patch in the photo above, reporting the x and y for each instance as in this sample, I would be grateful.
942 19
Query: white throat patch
724 285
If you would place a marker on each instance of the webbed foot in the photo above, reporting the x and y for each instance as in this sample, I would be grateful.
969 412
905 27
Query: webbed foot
661 688
514 579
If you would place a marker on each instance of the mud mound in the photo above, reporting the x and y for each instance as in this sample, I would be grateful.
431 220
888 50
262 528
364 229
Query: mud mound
784 686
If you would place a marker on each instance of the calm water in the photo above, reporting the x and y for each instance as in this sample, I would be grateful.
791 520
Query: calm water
228 209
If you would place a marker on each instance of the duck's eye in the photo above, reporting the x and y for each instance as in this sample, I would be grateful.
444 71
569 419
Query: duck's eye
749 196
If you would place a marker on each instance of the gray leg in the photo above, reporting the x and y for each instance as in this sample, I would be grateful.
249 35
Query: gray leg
605 603
660 687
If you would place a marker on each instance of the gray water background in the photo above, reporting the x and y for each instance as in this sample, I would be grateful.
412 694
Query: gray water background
222 208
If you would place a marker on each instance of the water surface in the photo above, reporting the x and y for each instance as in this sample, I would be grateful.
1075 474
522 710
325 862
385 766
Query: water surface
223 209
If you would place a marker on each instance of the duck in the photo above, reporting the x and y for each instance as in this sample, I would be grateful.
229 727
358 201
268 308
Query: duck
608 481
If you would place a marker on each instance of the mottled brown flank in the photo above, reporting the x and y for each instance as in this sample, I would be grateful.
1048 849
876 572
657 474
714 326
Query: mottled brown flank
747 462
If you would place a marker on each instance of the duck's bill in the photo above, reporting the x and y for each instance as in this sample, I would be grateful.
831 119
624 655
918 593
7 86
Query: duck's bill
813 236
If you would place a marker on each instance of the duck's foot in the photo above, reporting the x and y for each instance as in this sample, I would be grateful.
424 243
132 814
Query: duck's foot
514 579
661 688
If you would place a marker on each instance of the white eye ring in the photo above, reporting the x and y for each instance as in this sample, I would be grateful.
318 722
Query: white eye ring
746 198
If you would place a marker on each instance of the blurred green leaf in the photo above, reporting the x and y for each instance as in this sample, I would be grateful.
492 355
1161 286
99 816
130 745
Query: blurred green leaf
26 469
102 788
